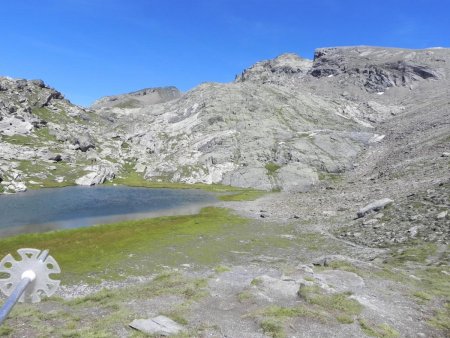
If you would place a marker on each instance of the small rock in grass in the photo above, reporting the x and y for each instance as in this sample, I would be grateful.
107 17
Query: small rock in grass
159 325
442 214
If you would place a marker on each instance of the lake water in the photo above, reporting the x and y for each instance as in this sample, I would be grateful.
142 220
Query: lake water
72 207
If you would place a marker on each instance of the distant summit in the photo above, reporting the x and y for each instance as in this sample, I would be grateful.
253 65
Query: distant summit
138 99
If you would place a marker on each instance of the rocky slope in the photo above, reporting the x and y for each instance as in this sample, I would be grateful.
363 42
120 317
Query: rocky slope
45 140
283 124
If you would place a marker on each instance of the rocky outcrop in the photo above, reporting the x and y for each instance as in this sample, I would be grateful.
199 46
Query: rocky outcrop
43 137
376 69
279 70
98 174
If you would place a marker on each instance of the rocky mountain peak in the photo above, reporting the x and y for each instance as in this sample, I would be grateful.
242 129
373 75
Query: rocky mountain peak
276 70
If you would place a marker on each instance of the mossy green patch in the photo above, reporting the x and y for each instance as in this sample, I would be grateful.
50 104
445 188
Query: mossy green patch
58 116
272 328
290 312
245 296
221 269
272 168
274 317
380 330
337 304
138 246
244 195
70 172
38 138
414 252
128 176
19 139
422 295
441 319
5 330
427 284
256 281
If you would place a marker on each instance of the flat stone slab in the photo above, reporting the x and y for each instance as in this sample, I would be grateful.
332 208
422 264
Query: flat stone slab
274 288
161 325
341 281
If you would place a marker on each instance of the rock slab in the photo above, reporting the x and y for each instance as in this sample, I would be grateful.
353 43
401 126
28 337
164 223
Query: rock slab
160 325
374 206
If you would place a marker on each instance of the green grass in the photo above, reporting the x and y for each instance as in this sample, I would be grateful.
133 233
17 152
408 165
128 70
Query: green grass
380 330
227 193
441 319
5 330
19 139
275 311
272 168
221 269
52 116
337 304
70 173
256 282
273 318
422 295
244 195
272 328
430 284
134 247
245 296
415 252
39 137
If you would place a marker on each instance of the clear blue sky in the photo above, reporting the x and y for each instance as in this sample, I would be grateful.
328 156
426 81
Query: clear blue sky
91 48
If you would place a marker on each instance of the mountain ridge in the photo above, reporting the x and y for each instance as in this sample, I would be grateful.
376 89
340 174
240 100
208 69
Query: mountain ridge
301 118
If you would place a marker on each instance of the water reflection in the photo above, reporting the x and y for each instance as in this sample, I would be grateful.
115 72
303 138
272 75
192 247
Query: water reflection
72 207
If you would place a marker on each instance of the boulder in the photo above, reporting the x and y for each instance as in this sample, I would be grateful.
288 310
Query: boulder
98 175
17 187
374 206
160 325
55 157
84 142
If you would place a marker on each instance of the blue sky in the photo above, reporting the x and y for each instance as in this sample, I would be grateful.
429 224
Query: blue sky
92 48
